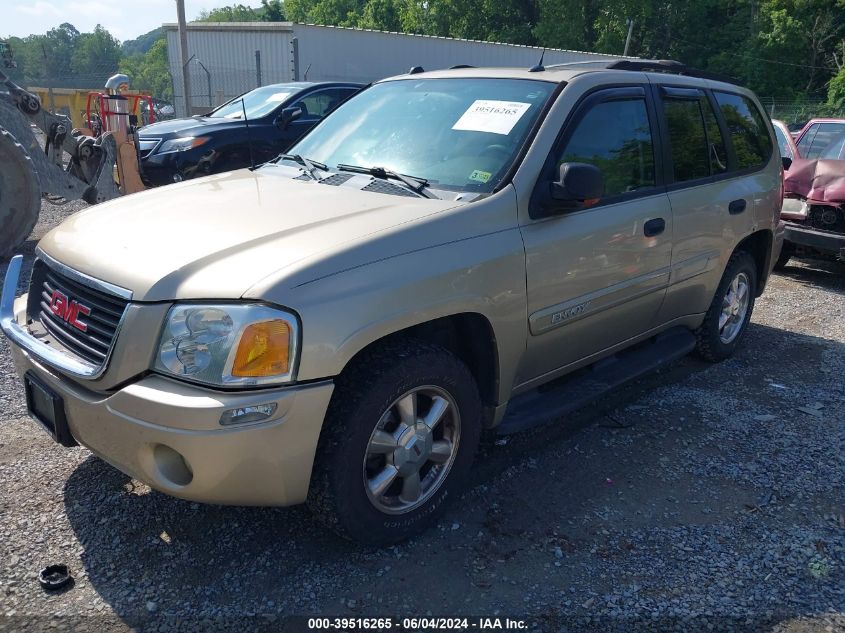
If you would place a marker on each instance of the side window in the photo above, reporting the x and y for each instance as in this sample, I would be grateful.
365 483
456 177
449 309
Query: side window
615 136
318 104
834 149
687 139
747 128
783 143
825 133
807 140
715 141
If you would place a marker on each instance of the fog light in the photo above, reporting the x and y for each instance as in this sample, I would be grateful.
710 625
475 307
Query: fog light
244 415
172 466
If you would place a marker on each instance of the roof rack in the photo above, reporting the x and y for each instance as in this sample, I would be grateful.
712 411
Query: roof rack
667 66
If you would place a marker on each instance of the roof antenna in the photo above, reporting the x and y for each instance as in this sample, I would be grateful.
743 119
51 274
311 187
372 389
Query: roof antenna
539 67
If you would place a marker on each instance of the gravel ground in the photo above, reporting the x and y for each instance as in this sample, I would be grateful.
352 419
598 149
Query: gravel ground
703 497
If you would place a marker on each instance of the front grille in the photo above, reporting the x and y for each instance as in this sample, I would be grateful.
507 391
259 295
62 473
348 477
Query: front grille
827 218
55 326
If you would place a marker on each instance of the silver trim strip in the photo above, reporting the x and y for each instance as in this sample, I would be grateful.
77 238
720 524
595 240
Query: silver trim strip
599 300
82 278
49 355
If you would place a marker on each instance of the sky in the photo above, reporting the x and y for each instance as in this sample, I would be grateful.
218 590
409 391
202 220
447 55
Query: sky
124 19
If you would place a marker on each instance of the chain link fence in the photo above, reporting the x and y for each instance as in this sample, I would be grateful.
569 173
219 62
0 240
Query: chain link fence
214 84
796 113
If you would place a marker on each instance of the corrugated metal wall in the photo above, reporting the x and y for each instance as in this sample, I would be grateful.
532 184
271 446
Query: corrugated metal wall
358 55
229 56
227 50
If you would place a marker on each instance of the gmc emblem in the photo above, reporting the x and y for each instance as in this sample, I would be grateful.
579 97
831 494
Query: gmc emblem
69 310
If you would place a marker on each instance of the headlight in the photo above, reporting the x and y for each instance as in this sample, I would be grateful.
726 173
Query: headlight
228 345
182 144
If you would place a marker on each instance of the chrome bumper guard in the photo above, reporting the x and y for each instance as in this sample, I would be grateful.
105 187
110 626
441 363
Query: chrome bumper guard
20 337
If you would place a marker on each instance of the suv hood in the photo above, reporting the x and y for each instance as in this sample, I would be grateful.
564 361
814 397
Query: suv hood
214 237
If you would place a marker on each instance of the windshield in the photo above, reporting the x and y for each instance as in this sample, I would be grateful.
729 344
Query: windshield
461 133
257 103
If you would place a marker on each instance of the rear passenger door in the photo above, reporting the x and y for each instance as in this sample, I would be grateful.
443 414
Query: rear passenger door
596 276
713 147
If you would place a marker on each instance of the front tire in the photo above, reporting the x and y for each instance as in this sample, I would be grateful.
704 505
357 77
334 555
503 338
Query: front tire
398 442
728 316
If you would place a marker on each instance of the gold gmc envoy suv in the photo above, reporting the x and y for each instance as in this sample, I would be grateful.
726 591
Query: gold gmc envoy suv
448 253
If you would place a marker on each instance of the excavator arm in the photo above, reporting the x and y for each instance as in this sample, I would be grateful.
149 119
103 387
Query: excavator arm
31 171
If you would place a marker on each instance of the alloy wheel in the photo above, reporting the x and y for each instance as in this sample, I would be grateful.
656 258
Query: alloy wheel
411 449
734 308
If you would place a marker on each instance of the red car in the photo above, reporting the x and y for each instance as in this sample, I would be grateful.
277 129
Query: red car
817 135
814 190
786 143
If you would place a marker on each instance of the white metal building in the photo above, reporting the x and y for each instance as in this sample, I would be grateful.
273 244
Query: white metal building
229 58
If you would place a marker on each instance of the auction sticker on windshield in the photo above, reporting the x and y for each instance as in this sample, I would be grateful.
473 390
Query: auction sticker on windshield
487 115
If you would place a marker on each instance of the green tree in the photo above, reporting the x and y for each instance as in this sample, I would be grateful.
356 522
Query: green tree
150 72
234 13
380 15
272 11
96 55
142 43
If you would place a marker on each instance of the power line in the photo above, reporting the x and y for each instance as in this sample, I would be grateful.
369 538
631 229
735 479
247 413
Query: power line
753 57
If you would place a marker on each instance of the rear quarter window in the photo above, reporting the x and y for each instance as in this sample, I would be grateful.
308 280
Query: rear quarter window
747 128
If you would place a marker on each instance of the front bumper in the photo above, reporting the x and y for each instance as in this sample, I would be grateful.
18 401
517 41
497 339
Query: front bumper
832 243
167 434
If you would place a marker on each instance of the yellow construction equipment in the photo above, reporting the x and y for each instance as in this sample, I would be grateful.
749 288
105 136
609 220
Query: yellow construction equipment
104 161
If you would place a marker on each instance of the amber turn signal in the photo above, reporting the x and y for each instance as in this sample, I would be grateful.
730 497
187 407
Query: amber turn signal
263 350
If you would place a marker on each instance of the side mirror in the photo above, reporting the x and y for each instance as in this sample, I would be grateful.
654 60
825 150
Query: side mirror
787 162
579 185
286 116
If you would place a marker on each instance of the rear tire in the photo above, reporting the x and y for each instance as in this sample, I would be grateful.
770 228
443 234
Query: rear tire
20 195
399 438
728 316
786 253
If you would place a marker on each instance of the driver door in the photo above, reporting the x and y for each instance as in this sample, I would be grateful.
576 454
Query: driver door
597 276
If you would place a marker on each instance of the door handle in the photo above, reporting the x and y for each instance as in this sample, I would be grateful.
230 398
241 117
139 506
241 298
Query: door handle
654 227
737 206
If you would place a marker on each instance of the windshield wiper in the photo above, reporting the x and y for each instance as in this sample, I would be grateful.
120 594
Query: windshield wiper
310 166
417 185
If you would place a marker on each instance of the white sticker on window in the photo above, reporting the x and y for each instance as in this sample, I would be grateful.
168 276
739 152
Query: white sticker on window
278 97
486 115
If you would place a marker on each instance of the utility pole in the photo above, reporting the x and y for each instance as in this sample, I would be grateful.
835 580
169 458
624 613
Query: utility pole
628 39
183 54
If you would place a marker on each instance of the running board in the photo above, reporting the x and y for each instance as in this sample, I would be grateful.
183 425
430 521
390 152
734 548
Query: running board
569 393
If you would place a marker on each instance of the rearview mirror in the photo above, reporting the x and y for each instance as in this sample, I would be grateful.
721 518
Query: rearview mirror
578 185
286 116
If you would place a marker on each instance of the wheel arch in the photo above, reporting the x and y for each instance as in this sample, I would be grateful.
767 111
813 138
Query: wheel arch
759 246
469 336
